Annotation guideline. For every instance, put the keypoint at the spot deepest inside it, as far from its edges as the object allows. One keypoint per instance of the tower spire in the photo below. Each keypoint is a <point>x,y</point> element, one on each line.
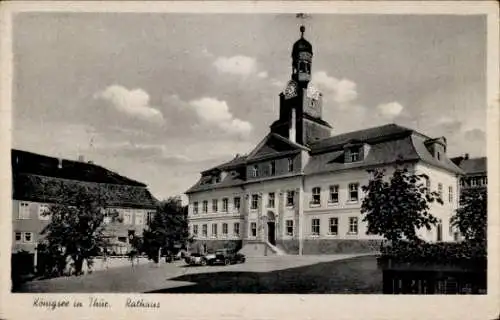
<point>302,30</point>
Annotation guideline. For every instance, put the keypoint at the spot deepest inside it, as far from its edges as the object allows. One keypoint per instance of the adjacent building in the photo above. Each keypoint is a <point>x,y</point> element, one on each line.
<point>475,171</point>
<point>37,181</point>
<point>299,190</point>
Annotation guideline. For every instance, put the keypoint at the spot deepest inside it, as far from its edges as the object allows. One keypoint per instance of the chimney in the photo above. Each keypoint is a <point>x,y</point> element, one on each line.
<point>293,132</point>
<point>59,165</point>
<point>466,156</point>
<point>81,158</point>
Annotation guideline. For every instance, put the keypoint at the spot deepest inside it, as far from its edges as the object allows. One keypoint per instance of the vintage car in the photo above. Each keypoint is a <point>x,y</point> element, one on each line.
<point>196,259</point>
<point>225,256</point>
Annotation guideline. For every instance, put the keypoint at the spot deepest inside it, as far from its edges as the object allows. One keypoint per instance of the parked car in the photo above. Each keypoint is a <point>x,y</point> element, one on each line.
<point>196,259</point>
<point>225,256</point>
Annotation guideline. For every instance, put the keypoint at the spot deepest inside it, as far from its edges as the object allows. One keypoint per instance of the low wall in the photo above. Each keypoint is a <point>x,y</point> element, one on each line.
<point>289,246</point>
<point>112,262</point>
<point>340,246</point>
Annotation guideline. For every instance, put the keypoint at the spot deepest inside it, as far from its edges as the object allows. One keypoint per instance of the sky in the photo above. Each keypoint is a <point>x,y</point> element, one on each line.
<point>160,97</point>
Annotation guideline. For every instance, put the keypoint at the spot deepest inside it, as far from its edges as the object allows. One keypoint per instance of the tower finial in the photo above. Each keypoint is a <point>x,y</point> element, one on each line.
<point>302,30</point>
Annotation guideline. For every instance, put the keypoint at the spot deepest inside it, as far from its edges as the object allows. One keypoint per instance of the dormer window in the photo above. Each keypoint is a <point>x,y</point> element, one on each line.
<point>255,171</point>
<point>354,156</point>
<point>355,152</point>
<point>290,164</point>
<point>272,168</point>
<point>217,178</point>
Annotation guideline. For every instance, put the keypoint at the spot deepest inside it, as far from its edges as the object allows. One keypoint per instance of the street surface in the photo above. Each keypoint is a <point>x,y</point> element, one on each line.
<point>275,274</point>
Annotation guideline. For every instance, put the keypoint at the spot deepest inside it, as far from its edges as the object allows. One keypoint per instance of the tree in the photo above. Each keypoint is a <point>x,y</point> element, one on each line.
<point>396,208</point>
<point>168,229</point>
<point>471,216</point>
<point>76,226</point>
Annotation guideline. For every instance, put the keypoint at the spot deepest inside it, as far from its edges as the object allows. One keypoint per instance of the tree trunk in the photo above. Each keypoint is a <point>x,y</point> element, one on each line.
<point>78,265</point>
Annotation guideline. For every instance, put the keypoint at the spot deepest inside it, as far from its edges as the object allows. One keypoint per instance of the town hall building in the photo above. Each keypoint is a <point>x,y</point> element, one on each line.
<point>299,190</point>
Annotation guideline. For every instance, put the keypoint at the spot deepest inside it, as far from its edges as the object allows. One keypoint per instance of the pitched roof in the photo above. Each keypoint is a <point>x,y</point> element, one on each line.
<point>38,178</point>
<point>37,188</point>
<point>33,163</point>
<point>367,135</point>
<point>388,144</point>
<point>471,166</point>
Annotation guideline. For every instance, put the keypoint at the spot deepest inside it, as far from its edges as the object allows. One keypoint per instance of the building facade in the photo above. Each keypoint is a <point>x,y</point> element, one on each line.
<point>299,190</point>
<point>37,181</point>
<point>475,171</point>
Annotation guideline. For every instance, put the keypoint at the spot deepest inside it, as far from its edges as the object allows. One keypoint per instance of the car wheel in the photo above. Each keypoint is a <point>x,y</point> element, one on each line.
<point>226,262</point>
<point>203,262</point>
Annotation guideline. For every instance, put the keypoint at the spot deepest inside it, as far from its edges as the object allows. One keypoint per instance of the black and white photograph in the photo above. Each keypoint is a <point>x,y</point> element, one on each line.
<point>267,152</point>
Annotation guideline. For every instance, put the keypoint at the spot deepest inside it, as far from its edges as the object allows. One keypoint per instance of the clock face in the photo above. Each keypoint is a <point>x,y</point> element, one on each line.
<point>290,90</point>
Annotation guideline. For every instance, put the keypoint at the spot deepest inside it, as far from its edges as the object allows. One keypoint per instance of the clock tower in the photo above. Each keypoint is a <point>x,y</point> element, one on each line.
<point>300,103</point>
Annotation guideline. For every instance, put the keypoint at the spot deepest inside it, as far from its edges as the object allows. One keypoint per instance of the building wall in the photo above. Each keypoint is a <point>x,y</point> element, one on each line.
<point>34,223</point>
<point>304,211</point>
<point>447,210</point>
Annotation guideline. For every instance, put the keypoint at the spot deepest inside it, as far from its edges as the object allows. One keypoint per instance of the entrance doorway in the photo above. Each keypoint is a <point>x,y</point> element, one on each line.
<point>271,228</point>
<point>271,232</point>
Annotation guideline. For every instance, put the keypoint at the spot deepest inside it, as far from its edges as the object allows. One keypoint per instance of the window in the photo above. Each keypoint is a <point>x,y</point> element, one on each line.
<point>483,181</point>
<point>428,184</point>
<point>255,171</point>
<point>353,191</point>
<point>474,182</point>
<point>354,155</point>
<point>18,236</point>
<point>225,202</point>
<point>28,237</point>
<point>272,168</point>
<point>353,225</point>
<point>195,229</point>
<point>334,226</point>
<point>270,200</point>
<point>289,227</point>
<point>214,205</point>
<point>334,194</point>
<point>42,209</point>
<point>316,195</point>
<point>236,229</point>
<point>24,210</point>
<point>195,207</point>
<point>214,230</point>
<point>290,198</point>
<point>439,156</point>
<point>315,226</point>
<point>253,229</point>
<point>150,217</point>
<point>255,201</point>
<point>290,164</point>
<point>204,230</point>
<point>439,236</point>
<point>127,219</point>
<point>224,229</point>
<point>237,203</point>
<point>139,218</point>
<point>450,194</point>
<point>205,206</point>
<point>217,178</point>
<point>440,190</point>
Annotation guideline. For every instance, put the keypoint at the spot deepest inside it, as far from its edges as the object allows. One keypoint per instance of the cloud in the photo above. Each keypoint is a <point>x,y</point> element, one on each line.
<point>134,103</point>
<point>239,65</point>
<point>215,112</point>
<point>342,91</point>
<point>262,74</point>
<point>278,83</point>
<point>390,110</point>
<point>475,134</point>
